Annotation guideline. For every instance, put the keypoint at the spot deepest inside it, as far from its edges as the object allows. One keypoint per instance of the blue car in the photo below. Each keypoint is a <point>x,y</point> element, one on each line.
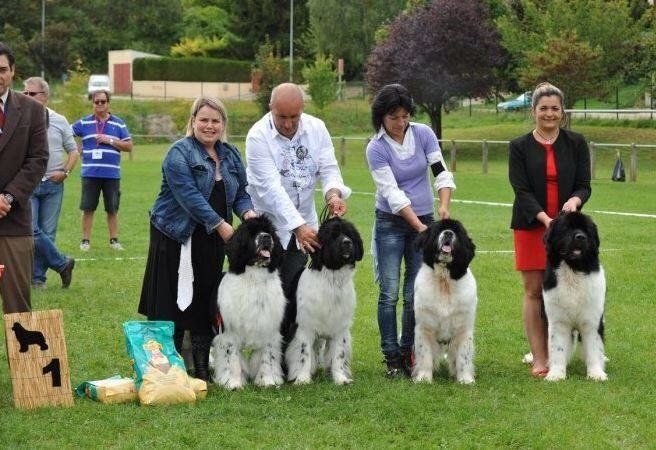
<point>520,102</point>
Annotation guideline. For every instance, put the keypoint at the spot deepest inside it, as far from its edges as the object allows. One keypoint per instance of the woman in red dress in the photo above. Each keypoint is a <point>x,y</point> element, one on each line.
<point>549,170</point>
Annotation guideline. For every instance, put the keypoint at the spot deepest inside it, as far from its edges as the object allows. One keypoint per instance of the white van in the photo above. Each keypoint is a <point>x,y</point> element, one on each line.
<point>98,83</point>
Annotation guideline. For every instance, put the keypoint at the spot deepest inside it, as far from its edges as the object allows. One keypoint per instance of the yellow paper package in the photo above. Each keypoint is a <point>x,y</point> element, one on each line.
<point>115,389</point>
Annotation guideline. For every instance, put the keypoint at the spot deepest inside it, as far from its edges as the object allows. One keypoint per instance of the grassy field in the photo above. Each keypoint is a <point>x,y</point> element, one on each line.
<point>505,408</point>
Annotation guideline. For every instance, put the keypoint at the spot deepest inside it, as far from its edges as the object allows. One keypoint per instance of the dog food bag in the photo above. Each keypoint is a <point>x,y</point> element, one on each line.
<point>115,389</point>
<point>199,386</point>
<point>160,373</point>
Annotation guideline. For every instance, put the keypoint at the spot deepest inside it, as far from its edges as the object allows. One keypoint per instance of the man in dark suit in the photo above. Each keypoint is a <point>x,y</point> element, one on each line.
<point>23,160</point>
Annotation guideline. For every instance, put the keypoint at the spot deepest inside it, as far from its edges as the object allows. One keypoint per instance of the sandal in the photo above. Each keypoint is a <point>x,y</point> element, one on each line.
<point>539,373</point>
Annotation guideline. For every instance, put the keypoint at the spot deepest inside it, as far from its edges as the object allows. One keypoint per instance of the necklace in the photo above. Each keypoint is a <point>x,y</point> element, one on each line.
<point>548,140</point>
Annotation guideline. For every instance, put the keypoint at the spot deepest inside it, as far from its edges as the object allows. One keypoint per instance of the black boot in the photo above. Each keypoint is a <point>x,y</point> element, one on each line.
<point>200,350</point>
<point>393,363</point>
<point>407,358</point>
<point>178,336</point>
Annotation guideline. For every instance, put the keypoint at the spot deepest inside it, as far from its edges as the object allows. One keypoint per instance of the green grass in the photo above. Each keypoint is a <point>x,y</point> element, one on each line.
<point>505,408</point>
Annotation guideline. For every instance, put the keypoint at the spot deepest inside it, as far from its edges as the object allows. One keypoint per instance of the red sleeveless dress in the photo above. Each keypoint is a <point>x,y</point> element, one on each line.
<point>529,248</point>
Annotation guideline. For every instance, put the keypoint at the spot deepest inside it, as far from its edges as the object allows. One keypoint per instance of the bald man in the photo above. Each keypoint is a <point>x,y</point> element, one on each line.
<point>287,151</point>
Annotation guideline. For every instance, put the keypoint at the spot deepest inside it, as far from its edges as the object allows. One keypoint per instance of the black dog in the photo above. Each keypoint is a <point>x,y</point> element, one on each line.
<point>26,338</point>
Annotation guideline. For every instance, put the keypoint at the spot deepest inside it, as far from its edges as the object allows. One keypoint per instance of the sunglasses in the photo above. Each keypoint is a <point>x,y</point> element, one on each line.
<point>32,94</point>
<point>99,102</point>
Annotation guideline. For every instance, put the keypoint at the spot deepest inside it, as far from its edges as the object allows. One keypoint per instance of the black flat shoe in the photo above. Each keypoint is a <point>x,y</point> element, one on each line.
<point>67,273</point>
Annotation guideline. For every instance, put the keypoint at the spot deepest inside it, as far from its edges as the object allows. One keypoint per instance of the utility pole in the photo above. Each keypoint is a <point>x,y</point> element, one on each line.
<point>43,37</point>
<point>291,41</point>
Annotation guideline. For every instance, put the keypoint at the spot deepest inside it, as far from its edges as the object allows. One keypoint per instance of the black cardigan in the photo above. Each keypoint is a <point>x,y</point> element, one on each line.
<point>527,173</point>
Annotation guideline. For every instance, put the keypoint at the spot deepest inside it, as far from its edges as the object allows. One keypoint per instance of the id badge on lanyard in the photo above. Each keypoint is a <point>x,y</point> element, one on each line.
<point>97,152</point>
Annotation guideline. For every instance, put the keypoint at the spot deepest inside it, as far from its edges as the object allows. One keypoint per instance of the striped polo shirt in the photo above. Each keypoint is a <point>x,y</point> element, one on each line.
<point>100,160</point>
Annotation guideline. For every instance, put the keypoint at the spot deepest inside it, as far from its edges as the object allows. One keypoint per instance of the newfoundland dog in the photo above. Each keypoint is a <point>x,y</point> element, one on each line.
<point>251,305</point>
<point>325,299</point>
<point>574,288</point>
<point>445,302</point>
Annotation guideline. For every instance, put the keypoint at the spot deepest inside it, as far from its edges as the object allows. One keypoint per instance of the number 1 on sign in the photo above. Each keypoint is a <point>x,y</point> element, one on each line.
<point>53,368</point>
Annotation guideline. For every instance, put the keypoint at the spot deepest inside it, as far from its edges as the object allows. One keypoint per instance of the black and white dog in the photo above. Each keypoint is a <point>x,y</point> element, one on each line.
<point>445,302</point>
<point>574,290</point>
<point>325,299</point>
<point>251,304</point>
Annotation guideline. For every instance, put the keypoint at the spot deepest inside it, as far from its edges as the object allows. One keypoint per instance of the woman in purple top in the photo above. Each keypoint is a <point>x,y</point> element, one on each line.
<point>398,157</point>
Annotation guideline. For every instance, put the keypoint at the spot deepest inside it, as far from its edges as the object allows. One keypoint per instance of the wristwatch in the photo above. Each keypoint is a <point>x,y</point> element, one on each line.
<point>10,198</point>
<point>111,141</point>
<point>67,172</point>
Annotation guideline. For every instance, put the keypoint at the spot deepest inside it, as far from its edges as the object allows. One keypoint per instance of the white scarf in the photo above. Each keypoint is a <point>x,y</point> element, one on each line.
<point>185,276</point>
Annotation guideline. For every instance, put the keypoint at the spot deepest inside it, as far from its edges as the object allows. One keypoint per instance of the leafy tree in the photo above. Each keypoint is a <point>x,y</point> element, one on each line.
<point>606,26</point>
<point>25,65</point>
<point>198,46</point>
<point>456,58</point>
<point>255,20</point>
<point>204,32</point>
<point>347,29</point>
<point>643,67</point>
<point>321,78</point>
<point>56,56</point>
<point>571,65</point>
<point>85,30</point>
<point>269,72</point>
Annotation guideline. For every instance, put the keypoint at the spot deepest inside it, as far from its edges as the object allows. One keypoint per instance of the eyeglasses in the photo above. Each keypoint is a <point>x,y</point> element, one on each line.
<point>32,93</point>
<point>99,102</point>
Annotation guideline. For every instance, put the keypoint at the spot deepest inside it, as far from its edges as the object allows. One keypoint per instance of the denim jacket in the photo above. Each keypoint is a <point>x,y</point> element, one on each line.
<point>187,182</point>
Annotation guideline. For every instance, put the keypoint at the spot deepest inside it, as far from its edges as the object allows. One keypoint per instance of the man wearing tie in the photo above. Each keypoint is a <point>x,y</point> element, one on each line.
<point>23,160</point>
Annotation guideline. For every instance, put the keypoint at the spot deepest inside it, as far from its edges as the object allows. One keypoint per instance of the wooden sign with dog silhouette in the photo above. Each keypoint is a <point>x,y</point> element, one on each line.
<point>36,351</point>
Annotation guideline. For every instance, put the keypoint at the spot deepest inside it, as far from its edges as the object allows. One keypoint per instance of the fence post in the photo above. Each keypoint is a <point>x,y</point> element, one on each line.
<point>453,156</point>
<point>484,157</point>
<point>342,151</point>
<point>633,165</point>
<point>593,161</point>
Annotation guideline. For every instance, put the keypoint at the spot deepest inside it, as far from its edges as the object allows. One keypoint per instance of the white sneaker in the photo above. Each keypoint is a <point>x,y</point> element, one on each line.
<point>115,244</point>
<point>84,245</point>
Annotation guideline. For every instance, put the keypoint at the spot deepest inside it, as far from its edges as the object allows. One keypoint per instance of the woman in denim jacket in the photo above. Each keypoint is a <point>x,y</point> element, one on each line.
<point>203,183</point>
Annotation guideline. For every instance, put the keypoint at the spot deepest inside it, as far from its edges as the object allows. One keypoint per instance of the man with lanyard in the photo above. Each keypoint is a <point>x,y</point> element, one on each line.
<point>47,198</point>
<point>287,151</point>
<point>104,136</point>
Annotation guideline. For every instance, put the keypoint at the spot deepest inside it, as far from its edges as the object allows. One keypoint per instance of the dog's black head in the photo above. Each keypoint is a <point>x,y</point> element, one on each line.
<point>573,238</point>
<point>447,243</point>
<point>341,245</point>
<point>254,243</point>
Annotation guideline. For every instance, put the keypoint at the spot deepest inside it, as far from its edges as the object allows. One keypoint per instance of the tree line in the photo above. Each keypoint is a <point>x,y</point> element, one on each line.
<point>441,49</point>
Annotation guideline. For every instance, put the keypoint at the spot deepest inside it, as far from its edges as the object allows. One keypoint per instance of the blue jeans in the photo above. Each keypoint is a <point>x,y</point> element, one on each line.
<point>394,241</point>
<point>46,203</point>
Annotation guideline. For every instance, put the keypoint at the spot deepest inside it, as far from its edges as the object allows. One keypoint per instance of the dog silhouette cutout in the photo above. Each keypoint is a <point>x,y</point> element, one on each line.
<point>26,338</point>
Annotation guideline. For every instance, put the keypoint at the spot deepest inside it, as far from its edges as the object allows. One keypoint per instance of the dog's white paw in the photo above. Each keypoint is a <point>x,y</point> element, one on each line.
<point>555,375</point>
<point>342,379</point>
<point>234,385</point>
<point>423,377</point>
<point>597,375</point>
<point>466,379</point>
<point>266,381</point>
<point>303,379</point>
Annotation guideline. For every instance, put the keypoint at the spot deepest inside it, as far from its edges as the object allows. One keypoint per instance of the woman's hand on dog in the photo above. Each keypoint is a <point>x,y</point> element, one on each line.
<point>225,230</point>
<point>572,204</point>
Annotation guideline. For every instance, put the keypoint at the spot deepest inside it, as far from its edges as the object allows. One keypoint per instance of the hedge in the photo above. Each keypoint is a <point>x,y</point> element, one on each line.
<point>201,69</point>
<point>191,69</point>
